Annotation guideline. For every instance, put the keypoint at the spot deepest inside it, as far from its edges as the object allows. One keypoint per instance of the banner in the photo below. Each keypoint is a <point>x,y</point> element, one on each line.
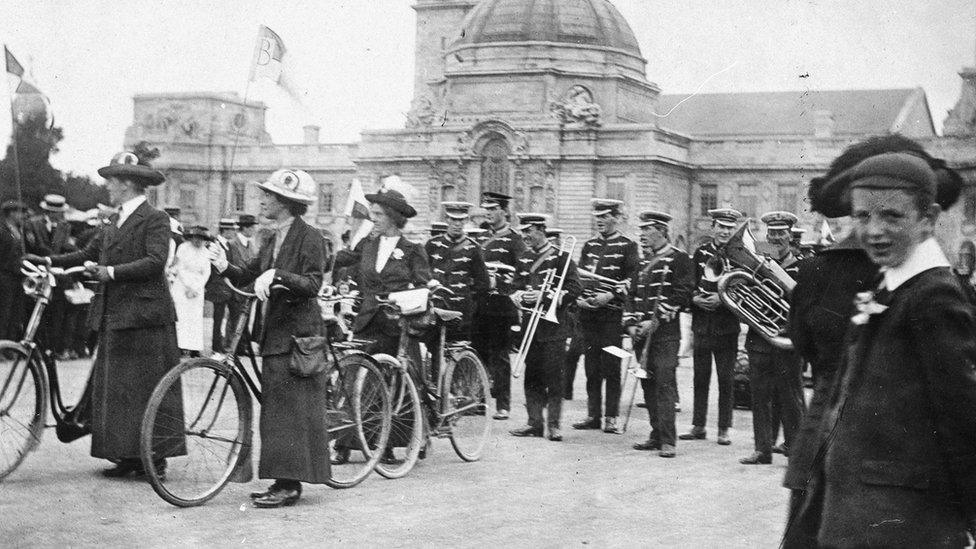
<point>269,55</point>
<point>357,212</point>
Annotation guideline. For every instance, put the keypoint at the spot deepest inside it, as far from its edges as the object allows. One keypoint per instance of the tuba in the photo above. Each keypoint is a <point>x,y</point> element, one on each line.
<point>756,289</point>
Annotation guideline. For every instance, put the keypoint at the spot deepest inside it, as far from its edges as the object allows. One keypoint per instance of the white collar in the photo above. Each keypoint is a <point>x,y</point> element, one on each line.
<point>129,206</point>
<point>243,239</point>
<point>925,256</point>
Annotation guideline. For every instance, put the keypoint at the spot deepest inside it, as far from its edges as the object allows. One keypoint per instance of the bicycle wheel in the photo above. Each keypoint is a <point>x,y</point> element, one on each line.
<point>23,405</point>
<point>465,405</point>
<point>407,423</point>
<point>359,419</point>
<point>199,420</point>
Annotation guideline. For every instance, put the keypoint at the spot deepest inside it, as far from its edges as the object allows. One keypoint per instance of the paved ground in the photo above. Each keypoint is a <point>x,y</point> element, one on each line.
<point>591,490</point>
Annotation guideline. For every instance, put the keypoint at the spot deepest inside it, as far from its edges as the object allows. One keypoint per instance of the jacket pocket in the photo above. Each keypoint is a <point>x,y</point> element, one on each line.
<point>896,473</point>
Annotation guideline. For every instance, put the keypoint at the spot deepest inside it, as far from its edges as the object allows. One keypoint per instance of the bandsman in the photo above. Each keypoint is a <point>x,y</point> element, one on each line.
<point>457,263</point>
<point>775,375</point>
<point>544,360</point>
<point>612,255</point>
<point>715,329</point>
<point>437,228</point>
<point>479,235</point>
<point>662,287</point>
<point>492,332</point>
<point>555,236</point>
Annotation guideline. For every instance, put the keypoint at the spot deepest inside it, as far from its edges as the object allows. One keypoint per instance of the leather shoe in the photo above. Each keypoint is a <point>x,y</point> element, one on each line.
<point>648,445</point>
<point>527,431</point>
<point>264,494</point>
<point>757,458</point>
<point>555,434</point>
<point>667,451</point>
<point>723,437</point>
<point>781,449</point>
<point>500,414</point>
<point>124,468</point>
<point>278,498</point>
<point>588,423</point>
<point>610,426</point>
<point>696,433</point>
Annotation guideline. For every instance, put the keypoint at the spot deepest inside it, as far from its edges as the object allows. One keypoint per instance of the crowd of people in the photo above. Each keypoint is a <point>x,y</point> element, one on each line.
<point>883,454</point>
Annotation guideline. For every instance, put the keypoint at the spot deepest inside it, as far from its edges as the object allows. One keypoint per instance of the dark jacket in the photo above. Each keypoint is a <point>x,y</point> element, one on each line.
<point>43,242</point>
<point>899,464</point>
<point>721,321</point>
<point>409,270</point>
<point>216,291</point>
<point>11,252</point>
<point>460,266</point>
<point>614,256</point>
<point>533,267</point>
<point>138,296</point>
<point>505,246</point>
<point>299,267</point>
<point>642,300</point>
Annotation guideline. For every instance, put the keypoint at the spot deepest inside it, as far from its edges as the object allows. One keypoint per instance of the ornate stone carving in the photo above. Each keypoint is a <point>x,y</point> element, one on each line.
<point>550,187</point>
<point>422,113</point>
<point>463,144</point>
<point>521,146</point>
<point>577,109</point>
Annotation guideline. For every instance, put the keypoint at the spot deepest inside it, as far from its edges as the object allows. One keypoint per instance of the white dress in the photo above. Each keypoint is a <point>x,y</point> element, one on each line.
<point>192,271</point>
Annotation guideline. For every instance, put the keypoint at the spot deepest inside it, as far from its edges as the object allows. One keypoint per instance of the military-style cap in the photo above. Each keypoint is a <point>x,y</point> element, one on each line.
<point>12,205</point>
<point>246,220</point>
<point>778,220</point>
<point>725,216</point>
<point>527,220</point>
<point>893,171</point>
<point>438,227</point>
<point>475,232</point>
<point>54,203</point>
<point>653,217</point>
<point>457,210</point>
<point>553,232</point>
<point>495,200</point>
<point>606,206</point>
<point>227,223</point>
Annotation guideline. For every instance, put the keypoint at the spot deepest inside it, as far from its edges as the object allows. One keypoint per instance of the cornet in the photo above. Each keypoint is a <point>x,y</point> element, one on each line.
<point>593,283</point>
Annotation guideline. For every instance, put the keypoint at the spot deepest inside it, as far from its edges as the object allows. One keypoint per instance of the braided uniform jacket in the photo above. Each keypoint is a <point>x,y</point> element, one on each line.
<point>532,272</point>
<point>678,284</point>
<point>721,321</point>
<point>756,342</point>
<point>616,257</point>
<point>459,265</point>
<point>505,246</point>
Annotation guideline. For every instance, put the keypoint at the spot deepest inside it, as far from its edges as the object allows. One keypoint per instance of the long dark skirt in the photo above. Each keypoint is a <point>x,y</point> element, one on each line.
<point>294,429</point>
<point>127,368</point>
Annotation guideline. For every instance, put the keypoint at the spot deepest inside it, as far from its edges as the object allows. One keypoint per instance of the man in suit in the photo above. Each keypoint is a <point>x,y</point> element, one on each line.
<point>612,255</point>
<point>897,461</point>
<point>660,289</point>
<point>51,235</point>
<point>544,360</point>
<point>135,316</point>
<point>11,252</point>
<point>216,292</point>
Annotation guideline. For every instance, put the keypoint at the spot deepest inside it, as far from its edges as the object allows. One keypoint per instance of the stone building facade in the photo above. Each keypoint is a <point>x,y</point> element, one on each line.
<point>549,101</point>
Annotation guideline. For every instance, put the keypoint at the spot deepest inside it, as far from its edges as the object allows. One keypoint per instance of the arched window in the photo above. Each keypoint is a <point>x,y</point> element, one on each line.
<point>494,166</point>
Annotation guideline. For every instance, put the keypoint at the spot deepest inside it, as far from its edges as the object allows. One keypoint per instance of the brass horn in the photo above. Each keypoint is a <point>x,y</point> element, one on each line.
<point>756,289</point>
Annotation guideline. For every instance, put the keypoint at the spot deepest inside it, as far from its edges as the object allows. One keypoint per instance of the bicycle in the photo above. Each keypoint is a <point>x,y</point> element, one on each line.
<point>29,379</point>
<point>453,406</point>
<point>216,422</point>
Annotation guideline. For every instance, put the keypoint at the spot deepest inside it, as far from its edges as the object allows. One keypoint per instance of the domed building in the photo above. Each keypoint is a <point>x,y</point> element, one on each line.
<point>549,101</point>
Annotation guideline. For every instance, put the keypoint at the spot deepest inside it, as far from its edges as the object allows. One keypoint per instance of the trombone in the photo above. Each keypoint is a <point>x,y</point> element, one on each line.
<point>540,311</point>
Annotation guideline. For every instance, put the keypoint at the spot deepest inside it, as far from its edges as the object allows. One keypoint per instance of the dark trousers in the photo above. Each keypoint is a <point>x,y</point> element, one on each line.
<point>660,387</point>
<point>544,382</point>
<point>602,367</point>
<point>493,341</point>
<point>232,310</point>
<point>803,518</point>
<point>12,300</point>
<point>772,376</point>
<point>573,354</point>
<point>723,348</point>
<point>56,324</point>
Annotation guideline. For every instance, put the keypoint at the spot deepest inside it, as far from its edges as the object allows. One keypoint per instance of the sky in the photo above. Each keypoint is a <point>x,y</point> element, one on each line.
<point>355,58</point>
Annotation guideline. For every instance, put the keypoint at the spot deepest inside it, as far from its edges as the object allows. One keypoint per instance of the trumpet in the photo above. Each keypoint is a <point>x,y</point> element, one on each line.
<point>543,312</point>
<point>499,272</point>
<point>757,291</point>
<point>594,283</point>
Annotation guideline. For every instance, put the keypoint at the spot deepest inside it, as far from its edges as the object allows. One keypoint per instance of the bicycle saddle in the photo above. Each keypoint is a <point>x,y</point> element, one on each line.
<point>445,315</point>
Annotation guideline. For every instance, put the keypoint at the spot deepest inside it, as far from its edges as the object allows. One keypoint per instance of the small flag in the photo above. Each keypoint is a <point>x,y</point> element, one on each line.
<point>13,66</point>
<point>269,53</point>
<point>826,235</point>
<point>357,210</point>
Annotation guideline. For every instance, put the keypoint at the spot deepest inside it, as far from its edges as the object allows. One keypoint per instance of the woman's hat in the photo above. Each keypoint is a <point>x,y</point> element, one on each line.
<point>198,231</point>
<point>54,203</point>
<point>294,185</point>
<point>393,200</point>
<point>126,165</point>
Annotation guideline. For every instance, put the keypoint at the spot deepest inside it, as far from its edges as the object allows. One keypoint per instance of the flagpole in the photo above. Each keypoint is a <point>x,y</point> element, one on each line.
<point>237,138</point>
<point>13,145</point>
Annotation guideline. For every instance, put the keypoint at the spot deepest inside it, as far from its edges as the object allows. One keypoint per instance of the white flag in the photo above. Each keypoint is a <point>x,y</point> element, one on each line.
<point>269,55</point>
<point>357,212</point>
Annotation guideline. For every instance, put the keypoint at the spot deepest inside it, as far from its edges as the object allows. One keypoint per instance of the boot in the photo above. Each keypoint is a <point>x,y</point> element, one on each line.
<point>610,425</point>
<point>757,458</point>
<point>588,423</point>
<point>527,431</point>
<point>696,433</point>
<point>667,451</point>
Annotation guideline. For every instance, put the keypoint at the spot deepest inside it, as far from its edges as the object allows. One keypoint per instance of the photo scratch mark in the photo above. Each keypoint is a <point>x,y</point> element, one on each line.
<point>694,93</point>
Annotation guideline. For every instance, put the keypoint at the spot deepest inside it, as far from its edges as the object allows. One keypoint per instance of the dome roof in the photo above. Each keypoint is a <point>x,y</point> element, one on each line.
<point>585,22</point>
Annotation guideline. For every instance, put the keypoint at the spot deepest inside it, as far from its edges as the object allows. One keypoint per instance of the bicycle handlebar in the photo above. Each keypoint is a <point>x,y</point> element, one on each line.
<point>241,292</point>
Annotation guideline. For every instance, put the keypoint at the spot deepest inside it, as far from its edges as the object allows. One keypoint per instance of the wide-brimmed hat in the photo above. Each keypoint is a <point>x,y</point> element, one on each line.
<point>294,185</point>
<point>126,165</point>
<point>54,203</point>
<point>246,220</point>
<point>393,200</point>
<point>198,231</point>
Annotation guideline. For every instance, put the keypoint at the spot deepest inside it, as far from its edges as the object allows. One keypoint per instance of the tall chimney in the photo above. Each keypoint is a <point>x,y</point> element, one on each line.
<point>311,134</point>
